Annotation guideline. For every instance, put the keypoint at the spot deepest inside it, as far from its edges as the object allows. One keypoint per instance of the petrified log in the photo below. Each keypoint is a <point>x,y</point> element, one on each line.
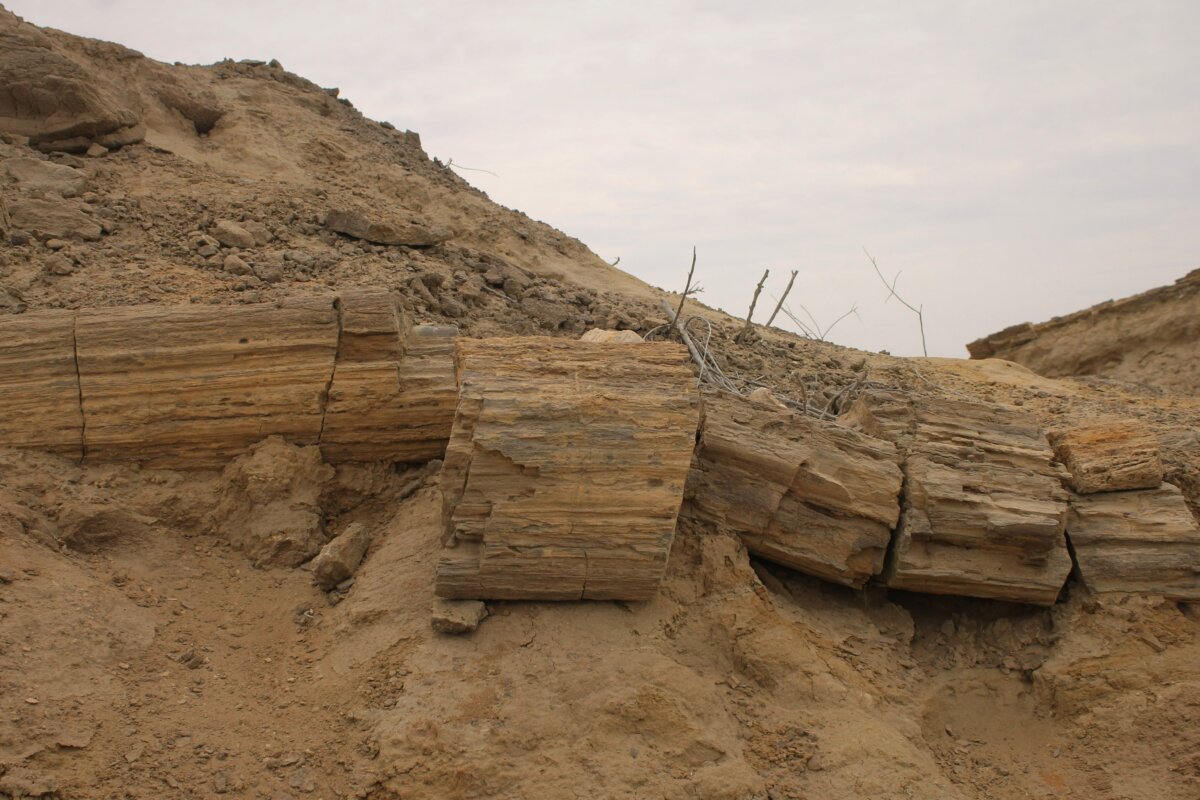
<point>1108,458</point>
<point>565,469</point>
<point>984,507</point>
<point>39,390</point>
<point>394,390</point>
<point>810,494</point>
<point>1136,541</point>
<point>190,386</point>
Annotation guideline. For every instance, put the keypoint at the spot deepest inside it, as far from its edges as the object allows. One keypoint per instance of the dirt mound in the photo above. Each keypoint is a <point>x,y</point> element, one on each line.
<point>1151,338</point>
<point>143,653</point>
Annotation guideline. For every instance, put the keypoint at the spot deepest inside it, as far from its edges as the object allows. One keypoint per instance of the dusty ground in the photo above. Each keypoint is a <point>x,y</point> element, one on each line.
<point>143,656</point>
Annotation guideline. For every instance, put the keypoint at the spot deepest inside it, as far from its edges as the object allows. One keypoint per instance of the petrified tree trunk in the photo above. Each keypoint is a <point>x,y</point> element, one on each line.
<point>393,392</point>
<point>984,507</point>
<point>1109,457</point>
<point>805,493</point>
<point>565,469</point>
<point>1137,541</point>
<point>39,389</point>
<point>193,385</point>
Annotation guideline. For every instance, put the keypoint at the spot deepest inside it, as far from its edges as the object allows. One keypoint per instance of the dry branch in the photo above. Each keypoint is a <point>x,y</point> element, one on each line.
<point>745,332</point>
<point>687,287</point>
<point>782,297</point>
<point>891,287</point>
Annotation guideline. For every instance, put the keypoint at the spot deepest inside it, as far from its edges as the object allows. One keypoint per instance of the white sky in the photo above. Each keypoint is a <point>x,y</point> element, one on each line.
<point>1015,159</point>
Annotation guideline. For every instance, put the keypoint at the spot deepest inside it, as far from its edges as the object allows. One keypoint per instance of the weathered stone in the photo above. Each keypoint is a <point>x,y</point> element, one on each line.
<point>565,469</point>
<point>806,493</point>
<point>338,559</point>
<point>1136,541</point>
<point>235,265</point>
<point>33,174</point>
<point>188,386</point>
<point>53,219</point>
<point>1109,458</point>
<point>232,234</point>
<point>984,507</point>
<point>611,337</point>
<point>39,386</point>
<point>359,225</point>
<point>457,616</point>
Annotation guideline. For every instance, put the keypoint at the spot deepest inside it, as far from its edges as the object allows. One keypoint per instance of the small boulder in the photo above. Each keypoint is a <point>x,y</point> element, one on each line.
<point>33,174</point>
<point>611,337</point>
<point>236,265</point>
<point>358,225</point>
<point>54,219</point>
<point>338,560</point>
<point>457,616</point>
<point>763,396</point>
<point>232,234</point>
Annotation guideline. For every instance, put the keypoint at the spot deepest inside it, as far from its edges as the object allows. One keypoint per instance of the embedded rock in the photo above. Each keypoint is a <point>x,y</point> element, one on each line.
<point>358,225</point>
<point>35,175</point>
<point>802,492</point>
<point>232,234</point>
<point>565,469</point>
<point>338,560</point>
<point>456,617</point>
<point>1137,541</point>
<point>611,337</point>
<point>1109,458</point>
<point>53,219</point>
<point>984,508</point>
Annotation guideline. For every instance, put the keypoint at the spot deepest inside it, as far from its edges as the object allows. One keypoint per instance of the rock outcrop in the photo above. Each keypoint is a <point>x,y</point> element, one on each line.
<point>565,469</point>
<point>1151,338</point>
<point>984,508</point>
<point>39,384</point>
<point>1109,457</point>
<point>358,225</point>
<point>809,494</point>
<point>1136,541</point>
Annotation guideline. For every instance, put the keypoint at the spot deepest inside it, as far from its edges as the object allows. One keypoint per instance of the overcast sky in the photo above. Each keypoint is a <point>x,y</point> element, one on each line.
<point>1015,160</point>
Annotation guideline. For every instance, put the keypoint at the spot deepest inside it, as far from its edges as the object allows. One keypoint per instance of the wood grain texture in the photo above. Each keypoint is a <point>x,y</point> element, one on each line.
<point>188,386</point>
<point>39,387</point>
<point>1110,457</point>
<point>565,468</point>
<point>397,408</point>
<point>1143,541</point>
<point>984,507</point>
<point>806,493</point>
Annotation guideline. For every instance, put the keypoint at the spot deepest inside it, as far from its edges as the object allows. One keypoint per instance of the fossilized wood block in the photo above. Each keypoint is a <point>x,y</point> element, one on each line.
<point>565,469</point>
<point>1109,458</point>
<point>1137,541</point>
<point>384,405</point>
<point>190,386</point>
<point>39,388</point>
<point>984,507</point>
<point>810,494</point>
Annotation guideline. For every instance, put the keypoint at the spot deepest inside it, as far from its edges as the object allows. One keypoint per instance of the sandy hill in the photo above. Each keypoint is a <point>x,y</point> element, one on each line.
<point>143,654</point>
<point>1152,338</point>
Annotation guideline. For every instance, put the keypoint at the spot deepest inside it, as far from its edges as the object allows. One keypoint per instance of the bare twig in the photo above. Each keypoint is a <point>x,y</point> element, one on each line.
<point>618,261</point>
<point>451,165</point>
<point>704,361</point>
<point>745,332</point>
<point>891,287</point>
<point>687,287</point>
<point>817,332</point>
<point>782,297</point>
